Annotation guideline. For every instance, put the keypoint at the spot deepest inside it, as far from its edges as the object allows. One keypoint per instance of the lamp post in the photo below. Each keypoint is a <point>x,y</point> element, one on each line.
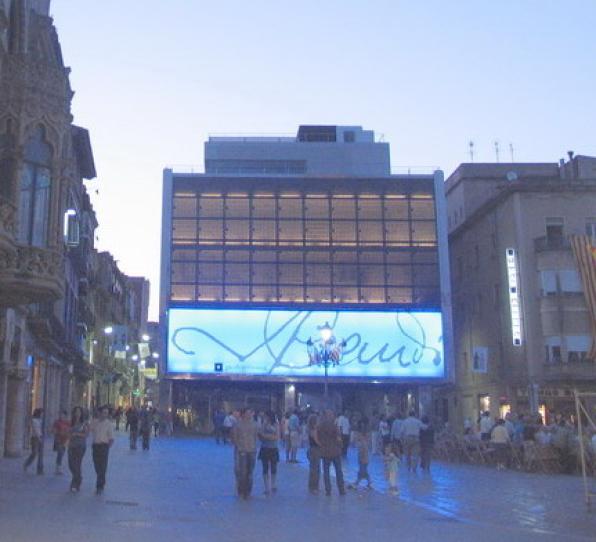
<point>325,352</point>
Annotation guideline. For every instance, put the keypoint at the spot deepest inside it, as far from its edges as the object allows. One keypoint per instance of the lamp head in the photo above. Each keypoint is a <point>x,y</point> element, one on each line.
<point>326,332</point>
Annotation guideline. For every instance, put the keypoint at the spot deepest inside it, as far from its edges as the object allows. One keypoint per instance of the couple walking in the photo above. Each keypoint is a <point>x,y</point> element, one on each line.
<point>244,435</point>
<point>326,445</point>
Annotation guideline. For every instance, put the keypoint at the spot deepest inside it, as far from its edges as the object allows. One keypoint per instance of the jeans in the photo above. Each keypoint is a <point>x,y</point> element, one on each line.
<point>314,470</point>
<point>36,452</point>
<point>60,449</point>
<point>134,434</point>
<point>339,475</point>
<point>425,457</point>
<point>146,435</point>
<point>345,441</point>
<point>245,465</point>
<point>411,447</point>
<point>100,462</point>
<point>75,458</point>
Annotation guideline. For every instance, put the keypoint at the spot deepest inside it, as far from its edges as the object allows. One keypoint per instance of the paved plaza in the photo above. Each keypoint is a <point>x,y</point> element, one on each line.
<point>182,489</point>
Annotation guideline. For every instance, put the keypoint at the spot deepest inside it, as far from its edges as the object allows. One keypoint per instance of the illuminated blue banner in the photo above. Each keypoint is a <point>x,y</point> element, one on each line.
<point>285,343</point>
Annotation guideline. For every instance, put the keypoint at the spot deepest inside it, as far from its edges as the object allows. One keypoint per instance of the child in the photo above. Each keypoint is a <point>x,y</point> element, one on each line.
<point>361,439</point>
<point>391,459</point>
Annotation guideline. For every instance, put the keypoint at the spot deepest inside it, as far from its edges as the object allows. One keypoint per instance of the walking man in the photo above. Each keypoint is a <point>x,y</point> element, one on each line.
<point>329,440</point>
<point>102,437</point>
<point>132,420</point>
<point>244,437</point>
<point>410,433</point>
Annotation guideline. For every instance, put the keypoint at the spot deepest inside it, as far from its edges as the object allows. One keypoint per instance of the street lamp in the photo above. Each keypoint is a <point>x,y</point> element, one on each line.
<point>325,352</point>
<point>146,337</point>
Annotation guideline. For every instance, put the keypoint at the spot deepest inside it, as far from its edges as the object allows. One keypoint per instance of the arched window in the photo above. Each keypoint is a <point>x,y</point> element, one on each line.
<point>34,192</point>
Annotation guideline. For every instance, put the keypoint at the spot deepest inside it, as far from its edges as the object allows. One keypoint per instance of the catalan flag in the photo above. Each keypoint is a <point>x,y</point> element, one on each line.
<point>585,256</point>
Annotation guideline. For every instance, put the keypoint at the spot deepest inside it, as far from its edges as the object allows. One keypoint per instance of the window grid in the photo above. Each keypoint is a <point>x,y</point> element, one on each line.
<point>373,267</point>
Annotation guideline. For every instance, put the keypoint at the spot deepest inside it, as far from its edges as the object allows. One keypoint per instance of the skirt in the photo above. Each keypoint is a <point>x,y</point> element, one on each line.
<point>269,454</point>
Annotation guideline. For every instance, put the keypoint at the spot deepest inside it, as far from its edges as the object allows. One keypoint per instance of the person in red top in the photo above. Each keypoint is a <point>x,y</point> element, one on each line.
<point>61,431</point>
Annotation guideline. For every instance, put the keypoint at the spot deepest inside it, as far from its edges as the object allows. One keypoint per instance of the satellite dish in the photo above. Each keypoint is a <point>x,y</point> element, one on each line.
<point>512,176</point>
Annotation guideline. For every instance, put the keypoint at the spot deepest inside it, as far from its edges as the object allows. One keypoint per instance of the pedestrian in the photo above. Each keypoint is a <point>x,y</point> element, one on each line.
<point>390,462</point>
<point>145,426</point>
<point>314,455</point>
<point>396,437</point>
<point>102,440</point>
<point>244,437</point>
<point>410,437</point>
<point>330,441</point>
<point>384,431</point>
<point>156,421</point>
<point>361,439</point>
<point>132,420</point>
<point>343,422</point>
<point>294,430</point>
<point>61,431</point>
<point>269,453</point>
<point>228,423</point>
<point>427,442</point>
<point>77,445</point>
<point>285,429</point>
<point>36,441</point>
<point>500,440</point>
<point>118,417</point>
<point>374,433</point>
<point>218,426</point>
<point>486,426</point>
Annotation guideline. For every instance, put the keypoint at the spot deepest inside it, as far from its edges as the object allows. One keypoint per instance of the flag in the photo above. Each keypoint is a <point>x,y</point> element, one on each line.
<point>585,256</point>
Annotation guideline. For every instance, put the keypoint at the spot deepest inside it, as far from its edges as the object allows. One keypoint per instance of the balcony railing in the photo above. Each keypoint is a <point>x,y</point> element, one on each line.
<point>574,370</point>
<point>542,244</point>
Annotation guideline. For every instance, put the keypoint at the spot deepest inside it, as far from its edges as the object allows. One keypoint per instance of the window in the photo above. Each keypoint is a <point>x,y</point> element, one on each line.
<point>554,231</point>
<point>548,280</point>
<point>552,349</point>
<point>570,281</point>
<point>349,137</point>
<point>34,200</point>
<point>577,347</point>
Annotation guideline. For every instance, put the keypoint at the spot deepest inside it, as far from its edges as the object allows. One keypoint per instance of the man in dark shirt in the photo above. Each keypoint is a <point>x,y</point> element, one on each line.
<point>328,437</point>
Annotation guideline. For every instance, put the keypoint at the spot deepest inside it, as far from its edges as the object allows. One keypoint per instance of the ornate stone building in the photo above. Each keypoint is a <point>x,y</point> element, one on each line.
<point>46,223</point>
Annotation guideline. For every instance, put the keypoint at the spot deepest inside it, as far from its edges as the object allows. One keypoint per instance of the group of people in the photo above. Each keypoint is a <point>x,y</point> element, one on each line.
<point>141,422</point>
<point>327,437</point>
<point>522,430</point>
<point>71,435</point>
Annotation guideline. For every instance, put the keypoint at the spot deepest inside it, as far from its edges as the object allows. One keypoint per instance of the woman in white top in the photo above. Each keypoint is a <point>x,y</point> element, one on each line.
<point>36,441</point>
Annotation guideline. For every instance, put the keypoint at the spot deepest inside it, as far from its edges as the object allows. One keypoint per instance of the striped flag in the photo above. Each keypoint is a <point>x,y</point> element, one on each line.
<point>585,256</point>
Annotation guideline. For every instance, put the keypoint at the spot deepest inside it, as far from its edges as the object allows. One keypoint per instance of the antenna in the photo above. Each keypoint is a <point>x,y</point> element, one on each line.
<point>511,152</point>
<point>471,145</point>
<point>497,150</point>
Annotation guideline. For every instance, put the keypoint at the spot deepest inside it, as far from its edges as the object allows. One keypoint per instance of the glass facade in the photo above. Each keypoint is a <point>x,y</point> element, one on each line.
<point>355,242</point>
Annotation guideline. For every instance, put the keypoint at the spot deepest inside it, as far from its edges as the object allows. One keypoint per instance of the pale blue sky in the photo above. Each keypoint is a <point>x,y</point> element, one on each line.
<point>153,78</point>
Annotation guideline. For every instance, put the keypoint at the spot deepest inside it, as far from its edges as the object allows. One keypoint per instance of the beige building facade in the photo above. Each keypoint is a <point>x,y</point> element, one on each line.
<point>523,322</point>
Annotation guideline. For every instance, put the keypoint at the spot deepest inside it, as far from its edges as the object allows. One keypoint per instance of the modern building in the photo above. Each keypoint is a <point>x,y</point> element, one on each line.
<point>278,238</point>
<point>522,240</point>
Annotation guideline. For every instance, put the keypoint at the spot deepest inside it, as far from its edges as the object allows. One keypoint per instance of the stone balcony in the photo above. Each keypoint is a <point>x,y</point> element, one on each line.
<point>570,372</point>
<point>7,225</point>
<point>30,275</point>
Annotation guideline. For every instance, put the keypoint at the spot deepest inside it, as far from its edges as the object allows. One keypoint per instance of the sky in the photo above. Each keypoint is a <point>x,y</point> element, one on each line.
<point>154,78</point>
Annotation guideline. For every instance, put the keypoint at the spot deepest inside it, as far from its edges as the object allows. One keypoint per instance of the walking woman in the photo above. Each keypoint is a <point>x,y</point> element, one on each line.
<point>314,455</point>
<point>36,441</point>
<point>79,429</point>
<point>269,453</point>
